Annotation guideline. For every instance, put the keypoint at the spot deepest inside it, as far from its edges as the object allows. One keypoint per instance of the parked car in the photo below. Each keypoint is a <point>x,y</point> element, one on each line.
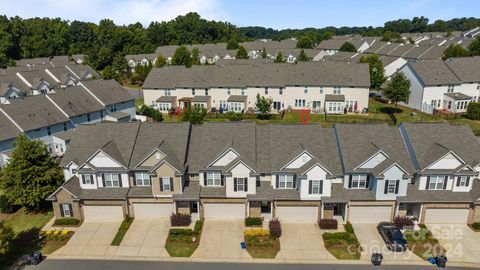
<point>392,236</point>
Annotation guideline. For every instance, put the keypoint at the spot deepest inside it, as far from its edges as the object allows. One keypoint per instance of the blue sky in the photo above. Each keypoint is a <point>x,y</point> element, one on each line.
<point>278,14</point>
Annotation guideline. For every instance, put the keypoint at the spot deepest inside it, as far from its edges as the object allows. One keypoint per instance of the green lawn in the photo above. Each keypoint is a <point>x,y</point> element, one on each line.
<point>139,102</point>
<point>342,245</point>
<point>122,230</point>
<point>22,221</point>
<point>263,247</point>
<point>183,242</point>
<point>423,244</point>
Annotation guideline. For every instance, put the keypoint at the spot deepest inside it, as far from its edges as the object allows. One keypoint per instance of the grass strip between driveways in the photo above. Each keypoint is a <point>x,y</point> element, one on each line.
<point>183,242</point>
<point>423,244</point>
<point>122,231</point>
<point>264,247</point>
<point>343,245</point>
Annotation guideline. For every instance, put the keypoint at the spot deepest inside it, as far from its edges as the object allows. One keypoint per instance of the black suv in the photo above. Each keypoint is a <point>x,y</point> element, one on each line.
<point>392,236</point>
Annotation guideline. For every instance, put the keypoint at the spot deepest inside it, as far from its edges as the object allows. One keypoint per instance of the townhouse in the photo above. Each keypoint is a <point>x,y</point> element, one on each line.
<point>45,117</point>
<point>351,172</point>
<point>437,85</point>
<point>318,86</point>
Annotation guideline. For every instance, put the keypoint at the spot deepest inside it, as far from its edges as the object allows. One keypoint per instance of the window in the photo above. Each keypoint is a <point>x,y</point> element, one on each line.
<point>49,130</point>
<point>241,184</point>
<point>391,186</point>
<point>66,210</point>
<point>65,128</point>
<point>478,86</point>
<point>358,181</point>
<point>436,182</point>
<point>337,90</point>
<point>168,92</point>
<point>266,90</point>
<point>463,181</point>
<point>206,91</point>
<point>229,92</point>
<point>87,179</point>
<point>88,117</point>
<point>142,179</point>
<point>316,187</point>
<point>285,181</point>
<point>299,102</point>
<point>280,91</point>
<point>321,89</point>
<point>316,104</point>
<point>305,90</point>
<point>112,180</point>
<point>166,185</point>
<point>242,92</point>
<point>213,179</point>
<point>450,88</point>
<point>101,114</point>
<point>193,91</point>
<point>113,108</point>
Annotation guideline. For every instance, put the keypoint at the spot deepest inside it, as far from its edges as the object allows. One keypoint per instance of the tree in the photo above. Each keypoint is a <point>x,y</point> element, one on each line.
<point>161,61</point>
<point>398,89</point>
<point>455,50</point>
<point>279,58</point>
<point>241,53</point>
<point>474,46</point>
<point>196,56</point>
<point>151,113</point>
<point>473,110</point>
<point>6,238</point>
<point>305,42</point>
<point>182,57</point>
<point>232,44</point>
<point>195,115</point>
<point>264,53</point>
<point>347,47</point>
<point>391,36</point>
<point>31,175</point>
<point>302,56</point>
<point>410,40</point>
<point>108,73</point>
<point>377,73</point>
<point>264,105</point>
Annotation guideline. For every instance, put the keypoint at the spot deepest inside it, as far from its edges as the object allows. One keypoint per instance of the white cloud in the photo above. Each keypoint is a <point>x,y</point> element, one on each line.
<point>120,11</point>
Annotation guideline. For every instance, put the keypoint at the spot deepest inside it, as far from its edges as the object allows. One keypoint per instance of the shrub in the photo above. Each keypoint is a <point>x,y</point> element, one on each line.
<point>275,228</point>
<point>349,228</point>
<point>256,232</point>
<point>253,221</point>
<point>180,232</point>
<point>66,222</point>
<point>5,206</point>
<point>180,220</point>
<point>473,110</point>
<point>234,116</point>
<point>328,224</point>
<point>401,222</point>
<point>198,226</point>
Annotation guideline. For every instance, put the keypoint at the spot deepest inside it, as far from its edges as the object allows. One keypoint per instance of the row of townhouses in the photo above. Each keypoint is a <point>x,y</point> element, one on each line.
<point>333,87</point>
<point>51,117</point>
<point>351,172</point>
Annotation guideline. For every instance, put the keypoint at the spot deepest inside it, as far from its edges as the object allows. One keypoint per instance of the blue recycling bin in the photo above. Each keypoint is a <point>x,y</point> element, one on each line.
<point>243,245</point>
<point>432,260</point>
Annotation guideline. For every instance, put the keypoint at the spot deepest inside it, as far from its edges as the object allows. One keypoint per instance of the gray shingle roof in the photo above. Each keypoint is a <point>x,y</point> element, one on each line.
<point>236,98</point>
<point>458,96</point>
<point>33,112</point>
<point>9,80</point>
<point>62,73</point>
<point>429,196</point>
<point>167,99</point>
<point>330,97</point>
<point>341,194</point>
<point>201,99</point>
<point>8,129</point>
<point>358,143</point>
<point>34,77</point>
<point>434,72</point>
<point>73,186</point>
<point>466,68</point>
<point>431,141</point>
<point>75,100</point>
<point>108,91</point>
<point>266,192</point>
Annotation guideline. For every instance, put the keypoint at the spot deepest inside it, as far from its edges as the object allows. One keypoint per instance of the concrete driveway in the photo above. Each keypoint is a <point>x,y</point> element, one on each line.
<point>371,242</point>
<point>302,241</point>
<point>91,239</point>
<point>145,238</point>
<point>221,240</point>
<point>462,244</point>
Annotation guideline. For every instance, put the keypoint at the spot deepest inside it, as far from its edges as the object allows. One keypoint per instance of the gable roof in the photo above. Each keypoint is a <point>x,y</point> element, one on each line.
<point>108,91</point>
<point>12,80</point>
<point>434,72</point>
<point>8,129</point>
<point>34,77</point>
<point>466,68</point>
<point>75,100</point>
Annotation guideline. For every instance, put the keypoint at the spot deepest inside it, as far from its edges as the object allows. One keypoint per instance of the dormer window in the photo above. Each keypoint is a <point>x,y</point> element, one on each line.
<point>358,181</point>
<point>463,181</point>
<point>87,179</point>
<point>142,179</point>
<point>214,179</point>
<point>285,181</point>
<point>112,180</point>
<point>158,156</point>
<point>436,182</point>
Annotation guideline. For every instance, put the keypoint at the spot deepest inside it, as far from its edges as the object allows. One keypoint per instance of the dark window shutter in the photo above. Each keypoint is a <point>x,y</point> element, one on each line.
<point>397,184</point>
<point>468,182</point>
<point>171,183</point>
<point>222,180</point>
<point>83,179</point>
<point>427,186</point>
<point>445,182</point>
<point>246,184</point>
<point>61,210</point>
<point>367,185</point>
<point>103,179</point>
<point>458,181</point>
<point>294,181</point>
<point>309,186</point>
<point>257,182</point>
<point>350,181</point>
<point>385,191</point>
<point>120,180</point>
<point>205,179</point>
<point>321,187</point>
<point>161,183</point>
<point>70,207</point>
<point>234,184</point>
<point>277,181</point>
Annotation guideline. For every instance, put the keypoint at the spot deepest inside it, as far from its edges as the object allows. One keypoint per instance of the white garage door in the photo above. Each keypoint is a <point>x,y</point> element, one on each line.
<point>103,212</point>
<point>297,213</point>
<point>442,215</point>
<point>224,210</point>
<point>145,210</point>
<point>370,214</point>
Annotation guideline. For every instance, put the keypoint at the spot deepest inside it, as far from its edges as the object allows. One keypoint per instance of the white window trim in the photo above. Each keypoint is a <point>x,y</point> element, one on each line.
<point>65,210</point>
<point>391,184</point>
<point>436,180</point>
<point>285,181</point>
<point>142,179</point>
<point>359,179</point>
<point>166,183</point>
<point>316,185</point>
<point>215,178</point>
<point>89,179</point>
<point>242,185</point>
<point>463,181</point>
<point>113,179</point>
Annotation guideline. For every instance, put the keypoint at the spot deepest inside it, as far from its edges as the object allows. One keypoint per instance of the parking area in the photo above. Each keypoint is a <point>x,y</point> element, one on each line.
<point>462,244</point>
<point>92,238</point>
<point>371,242</point>
<point>221,239</point>
<point>302,241</point>
<point>145,238</point>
